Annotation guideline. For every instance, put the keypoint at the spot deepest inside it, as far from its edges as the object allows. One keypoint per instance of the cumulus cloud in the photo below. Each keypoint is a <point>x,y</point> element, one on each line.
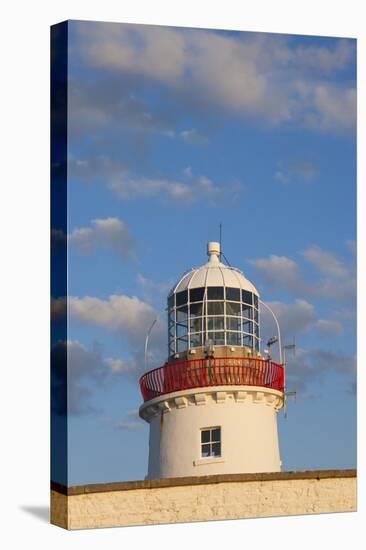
<point>193,136</point>
<point>76,371</point>
<point>311,366</point>
<point>127,185</point>
<point>110,233</point>
<point>325,262</point>
<point>252,75</point>
<point>132,421</point>
<point>296,172</point>
<point>338,281</point>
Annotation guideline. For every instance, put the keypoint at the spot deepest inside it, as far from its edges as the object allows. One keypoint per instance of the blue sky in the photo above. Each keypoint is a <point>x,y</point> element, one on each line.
<point>171,132</point>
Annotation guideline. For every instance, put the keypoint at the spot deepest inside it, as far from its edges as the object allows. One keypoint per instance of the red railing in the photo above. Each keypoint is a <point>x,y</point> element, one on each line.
<point>201,373</point>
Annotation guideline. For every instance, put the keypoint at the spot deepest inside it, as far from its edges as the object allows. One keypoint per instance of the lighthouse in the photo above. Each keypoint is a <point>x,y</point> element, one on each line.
<point>212,407</point>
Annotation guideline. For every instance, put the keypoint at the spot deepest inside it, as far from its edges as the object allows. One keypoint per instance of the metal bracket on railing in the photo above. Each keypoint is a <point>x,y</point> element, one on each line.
<point>149,332</point>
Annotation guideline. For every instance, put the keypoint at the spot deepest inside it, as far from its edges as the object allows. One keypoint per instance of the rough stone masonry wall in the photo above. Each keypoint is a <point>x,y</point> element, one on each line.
<point>203,498</point>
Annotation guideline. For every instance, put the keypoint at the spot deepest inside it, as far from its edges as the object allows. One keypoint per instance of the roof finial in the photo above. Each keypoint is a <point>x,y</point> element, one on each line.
<point>213,250</point>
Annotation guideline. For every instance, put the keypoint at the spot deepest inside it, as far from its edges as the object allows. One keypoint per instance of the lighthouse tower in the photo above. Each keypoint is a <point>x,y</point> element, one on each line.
<point>212,406</point>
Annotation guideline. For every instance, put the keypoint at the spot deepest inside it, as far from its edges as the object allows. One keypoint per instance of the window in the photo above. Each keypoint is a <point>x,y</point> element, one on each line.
<point>233,309</point>
<point>215,293</point>
<point>215,308</point>
<point>211,442</point>
<point>215,323</point>
<point>233,294</point>
<point>181,298</point>
<point>196,294</point>
<point>247,297</point>
<point>233,338</point>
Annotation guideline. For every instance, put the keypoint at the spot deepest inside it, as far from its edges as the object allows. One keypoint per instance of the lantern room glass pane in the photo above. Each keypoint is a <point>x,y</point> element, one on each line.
<point>247,297</point>
<point>182,330</point>
<point>233,323</point>
<point>182,344</point>
<point>196,310</point>
<point>248,327</point>
<point>247,312</point>
<point>196,294</point>
<point>215,308</point>
<point>217,337</point>
<point>182,315</point>
<point>255,300</point>
<point>215,292</point>
<point>248,341</point>
<point>171,301</point>
<point>181,298</point>
<point>196,340</point>
<point>215,323</point>
<point>232,308</point>
<point>196,324</point>
<point>233,294</point>
<point>256,315</point>
<point>233,338</point>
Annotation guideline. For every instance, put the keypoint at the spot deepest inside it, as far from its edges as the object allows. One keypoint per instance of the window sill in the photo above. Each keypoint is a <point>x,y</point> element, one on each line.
<point>209,460</point>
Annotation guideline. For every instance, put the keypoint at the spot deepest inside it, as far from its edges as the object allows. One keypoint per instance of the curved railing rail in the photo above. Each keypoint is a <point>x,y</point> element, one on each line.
<point>201,373</point>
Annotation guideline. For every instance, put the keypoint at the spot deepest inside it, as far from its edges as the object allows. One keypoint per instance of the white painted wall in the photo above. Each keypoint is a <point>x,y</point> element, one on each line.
<point>246,415</point>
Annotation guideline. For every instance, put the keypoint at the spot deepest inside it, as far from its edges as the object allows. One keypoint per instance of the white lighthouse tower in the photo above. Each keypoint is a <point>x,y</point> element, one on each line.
<point>212,406</point>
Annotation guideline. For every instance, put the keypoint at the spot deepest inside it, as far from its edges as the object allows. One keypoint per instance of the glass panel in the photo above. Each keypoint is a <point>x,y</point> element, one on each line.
<point>215,323</point>
<point>181,331</point>
<point>181,298</point>
<point>248,341</point>
<point>233,338</point>
<point>248,326</point>
<point>216,449</point>
<point>196,324</point>
<point>247,297</point>
<point>255,300</point>
<point>171,301</point>
<point>233,309</point>
<point>205,436</point>
<point>206,450</point>
<point>182,315</point>
<point>195,340</point>
<point>256,344</point>
<point>172,331</point>
<point>247,312</point>
<point>195,310</point>
<point>171,317</point>
<point>233,294</point>
<point>215,308</point>
<point>217,337</point>
<point>256,316</point>
<point>196,294</point>
<point>182,344</point>
<point>216,435</point>
<point>256,330</point>
<point>215,293</point>
<point>233,323</point>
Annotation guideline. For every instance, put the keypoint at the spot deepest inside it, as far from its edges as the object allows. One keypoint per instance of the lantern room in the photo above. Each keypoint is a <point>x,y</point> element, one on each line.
<point>213,305</point>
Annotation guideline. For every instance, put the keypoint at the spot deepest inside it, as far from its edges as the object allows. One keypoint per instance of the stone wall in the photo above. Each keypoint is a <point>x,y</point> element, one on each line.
<point>216,497</point>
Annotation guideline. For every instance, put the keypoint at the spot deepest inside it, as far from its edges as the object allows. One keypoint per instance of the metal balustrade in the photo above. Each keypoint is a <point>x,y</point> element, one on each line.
<point>201,373</point>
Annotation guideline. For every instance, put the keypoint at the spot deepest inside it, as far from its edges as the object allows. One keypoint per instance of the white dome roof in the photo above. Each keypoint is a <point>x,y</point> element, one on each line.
<point>213,273</point>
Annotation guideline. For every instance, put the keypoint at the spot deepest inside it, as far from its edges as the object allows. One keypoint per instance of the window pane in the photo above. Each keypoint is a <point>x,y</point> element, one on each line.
<point>256,330</point>
<point>248,341</point>
<point>233,323</point>
<point>171,317</point>
<point>247,297</point>
<point>255,300</point>
<point>256,315</point>
<point>217,337</point>
<point>196,310</point>
<point>215,308</point>
<point>233,309</point>
<point>256,344</point>
<point>216,449</point>
<point>216,435</point>
<point>247,312</point>
<point>215,293</point>
<point>205,450</point>
<point>196,324</point>
<point>182,344</point>
<point>171,301</point>
<point>182,315</point>
<point>196,294</point>
<point>215,323</point>
<point>248,327</point>
<point>196,340</point>
<point>205,436</point>
<point>233,338</point>
<point>181,298</point>
<point>181,331</point>
<point>233,294</point>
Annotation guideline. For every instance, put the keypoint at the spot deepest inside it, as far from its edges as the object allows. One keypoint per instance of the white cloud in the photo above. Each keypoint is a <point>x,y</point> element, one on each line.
<point>325,262</point>
<point>338,282</point>
<point>296,172</point>
<point>331,327</point>
<point>104,233</point>
<point>293,318</point>
<point>193,136</point>
<point>260,76</point>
